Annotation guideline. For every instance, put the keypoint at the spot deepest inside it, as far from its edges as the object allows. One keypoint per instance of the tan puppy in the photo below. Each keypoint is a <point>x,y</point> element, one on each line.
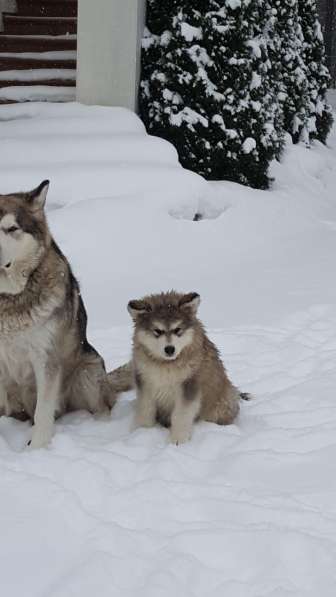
<point>177,371</point>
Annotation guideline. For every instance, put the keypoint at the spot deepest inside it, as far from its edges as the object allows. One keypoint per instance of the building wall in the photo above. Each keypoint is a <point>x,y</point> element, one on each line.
<point>109,51</point>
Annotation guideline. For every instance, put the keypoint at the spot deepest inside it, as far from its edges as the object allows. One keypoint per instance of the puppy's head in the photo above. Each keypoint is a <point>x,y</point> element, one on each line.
<point>164,323</point>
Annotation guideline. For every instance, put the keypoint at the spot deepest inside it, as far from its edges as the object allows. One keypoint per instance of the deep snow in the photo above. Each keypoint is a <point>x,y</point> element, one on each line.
<point>243,511</point>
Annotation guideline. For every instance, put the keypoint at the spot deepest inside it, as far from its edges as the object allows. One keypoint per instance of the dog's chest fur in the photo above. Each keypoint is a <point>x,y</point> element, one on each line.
<point>27,333</point>
<point>163,383</point>
<point>21,349</point>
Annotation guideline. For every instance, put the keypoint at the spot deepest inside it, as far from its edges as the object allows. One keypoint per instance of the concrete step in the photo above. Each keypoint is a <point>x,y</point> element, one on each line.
<point>37,93</point>
<point>19,25</point>
<point>42,76</point>
<point>38,43</point>
<point>50,8</point>
<point>28,60</point>
<point>52,82</point>
<point>38,52</point>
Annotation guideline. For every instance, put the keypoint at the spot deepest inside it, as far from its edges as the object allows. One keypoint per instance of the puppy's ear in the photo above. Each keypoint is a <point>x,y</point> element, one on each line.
<point>136,308</point>
<point>37,197</point>
<point>190,301</point>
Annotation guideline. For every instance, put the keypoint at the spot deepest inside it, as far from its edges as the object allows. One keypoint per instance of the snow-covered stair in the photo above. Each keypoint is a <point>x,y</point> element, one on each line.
<point>38,52</point>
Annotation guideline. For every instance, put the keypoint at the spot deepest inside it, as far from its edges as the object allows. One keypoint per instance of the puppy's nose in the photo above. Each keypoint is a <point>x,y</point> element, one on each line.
<point>169,350</point>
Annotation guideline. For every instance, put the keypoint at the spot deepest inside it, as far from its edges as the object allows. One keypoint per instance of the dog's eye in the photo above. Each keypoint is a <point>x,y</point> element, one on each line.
<point>157,332</point>
<point>12,229</point>
<point>178,331</point>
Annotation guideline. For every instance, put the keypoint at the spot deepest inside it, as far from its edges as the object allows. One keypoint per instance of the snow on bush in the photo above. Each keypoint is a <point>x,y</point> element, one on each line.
<point>313,52</point>
<point>218,72</point>
<point>215,68</point>
<point>289,68</point>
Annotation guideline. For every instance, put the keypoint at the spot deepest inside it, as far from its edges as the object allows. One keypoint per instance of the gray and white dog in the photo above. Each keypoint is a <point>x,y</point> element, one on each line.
<point>177,371</point>
<point>47,366</point>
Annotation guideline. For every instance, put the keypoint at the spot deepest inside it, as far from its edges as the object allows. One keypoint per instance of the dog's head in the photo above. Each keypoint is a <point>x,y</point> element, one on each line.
<point>165,323</point>
<point>23,230</point>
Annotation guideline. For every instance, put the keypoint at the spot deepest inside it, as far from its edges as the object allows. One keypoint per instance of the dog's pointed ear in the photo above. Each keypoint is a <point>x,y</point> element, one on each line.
<point>190,301</point>
<point>37,197</point>
<point>136,308</point>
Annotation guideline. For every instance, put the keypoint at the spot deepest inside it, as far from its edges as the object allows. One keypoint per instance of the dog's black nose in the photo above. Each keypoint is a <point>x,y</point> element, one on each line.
<point>169,350</point>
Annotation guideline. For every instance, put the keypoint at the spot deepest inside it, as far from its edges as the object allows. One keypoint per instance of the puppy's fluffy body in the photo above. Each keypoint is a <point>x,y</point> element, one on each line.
<point>177,371</point>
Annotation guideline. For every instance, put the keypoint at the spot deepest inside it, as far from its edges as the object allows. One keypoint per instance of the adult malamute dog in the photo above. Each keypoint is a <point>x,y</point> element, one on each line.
<point>47,366</point>
<point>177,371</point>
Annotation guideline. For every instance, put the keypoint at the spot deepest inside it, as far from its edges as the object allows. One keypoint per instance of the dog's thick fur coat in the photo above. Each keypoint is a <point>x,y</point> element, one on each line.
<point>47,366</point>
<point>188,383</point>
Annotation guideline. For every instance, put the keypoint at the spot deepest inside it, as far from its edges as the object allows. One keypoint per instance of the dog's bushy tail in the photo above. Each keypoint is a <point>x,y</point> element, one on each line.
<point>121,379</point>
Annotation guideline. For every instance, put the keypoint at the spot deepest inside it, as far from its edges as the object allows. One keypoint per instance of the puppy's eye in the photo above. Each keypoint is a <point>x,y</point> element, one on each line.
<point>157,332</point>
<point>178,331</point>
<point>12,229</point>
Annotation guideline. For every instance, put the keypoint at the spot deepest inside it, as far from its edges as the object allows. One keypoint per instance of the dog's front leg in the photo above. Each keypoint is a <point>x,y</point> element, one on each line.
<point>48,382</point>
<point>145,406</point>
<point>4,406</point>
<point>186,409</point>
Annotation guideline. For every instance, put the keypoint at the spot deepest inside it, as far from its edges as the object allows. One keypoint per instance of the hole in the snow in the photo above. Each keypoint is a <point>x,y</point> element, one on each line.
<point>210,213</point>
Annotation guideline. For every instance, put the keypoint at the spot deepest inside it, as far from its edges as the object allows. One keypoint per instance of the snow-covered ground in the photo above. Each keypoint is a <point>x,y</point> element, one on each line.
<point>243,511</point>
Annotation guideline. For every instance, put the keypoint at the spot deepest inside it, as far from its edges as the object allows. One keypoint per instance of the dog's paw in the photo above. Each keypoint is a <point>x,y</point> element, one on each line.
<point>179,436</point>
<point>39,440</point>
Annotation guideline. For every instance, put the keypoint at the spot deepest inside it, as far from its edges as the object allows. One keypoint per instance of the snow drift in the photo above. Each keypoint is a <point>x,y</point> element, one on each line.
<point>243,511</point>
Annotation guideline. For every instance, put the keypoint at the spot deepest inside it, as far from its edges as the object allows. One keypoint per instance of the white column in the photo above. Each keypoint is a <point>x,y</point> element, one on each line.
<point>108,51</point>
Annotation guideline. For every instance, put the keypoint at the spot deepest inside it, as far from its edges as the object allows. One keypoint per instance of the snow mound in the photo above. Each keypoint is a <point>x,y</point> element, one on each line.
<point>90,152</point>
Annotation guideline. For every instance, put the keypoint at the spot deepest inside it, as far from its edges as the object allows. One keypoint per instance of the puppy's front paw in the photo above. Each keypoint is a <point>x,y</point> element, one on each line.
<point>39,440</point>
<point>179,436</point>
